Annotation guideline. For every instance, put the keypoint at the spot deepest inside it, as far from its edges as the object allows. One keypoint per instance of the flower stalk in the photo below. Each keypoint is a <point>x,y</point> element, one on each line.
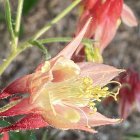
<point>8,60</point>
<point>18,21</point>
<point>56,19</point>
<point>16,48</point>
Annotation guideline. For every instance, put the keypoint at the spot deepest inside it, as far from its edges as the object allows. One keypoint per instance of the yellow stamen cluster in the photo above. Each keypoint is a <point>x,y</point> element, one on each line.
<point>95,93</point>
<point>78,92</point>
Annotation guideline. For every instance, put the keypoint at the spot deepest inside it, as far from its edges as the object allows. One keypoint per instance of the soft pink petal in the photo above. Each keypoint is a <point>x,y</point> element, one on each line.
<point>32,121</point>
<point>82,21</point>
<point>58,120</point>
<point>38,80</point>
<point>64,69</point>
<point>86,128</point>
<point>104,33</point>
<point>21,108</point>
<point>20,85</point>
<point>90,30</point>
<point>87,119</point>
<point>100,73</point>
<point>68,51</point>
<point>26,84</point>
<point>128,16</point>
<point>5,136</point>
<point>96,119</point>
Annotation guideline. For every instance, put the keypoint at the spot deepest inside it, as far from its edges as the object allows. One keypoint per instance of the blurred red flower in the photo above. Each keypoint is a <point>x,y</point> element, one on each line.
<point>61,93</point>
<point>107,15</point>
<point>129,95</point>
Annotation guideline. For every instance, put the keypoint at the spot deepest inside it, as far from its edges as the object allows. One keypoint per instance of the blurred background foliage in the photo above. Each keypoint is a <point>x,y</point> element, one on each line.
<point>27,6</point>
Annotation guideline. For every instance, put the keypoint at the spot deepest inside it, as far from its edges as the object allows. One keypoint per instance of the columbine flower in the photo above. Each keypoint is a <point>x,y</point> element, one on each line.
<point>62,94</point>
<point>106,20</point>
<point>129,95</point>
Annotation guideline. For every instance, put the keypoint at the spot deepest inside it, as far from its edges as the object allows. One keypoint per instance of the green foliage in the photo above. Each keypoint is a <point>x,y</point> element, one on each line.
<point>132,136</point>
<point>4,123</point>
<point>8,18</point>
<point>42,48</point>
<point>29,135</point>
<point>28,5</point>
<point>92,53</point>
<point>21,31</point>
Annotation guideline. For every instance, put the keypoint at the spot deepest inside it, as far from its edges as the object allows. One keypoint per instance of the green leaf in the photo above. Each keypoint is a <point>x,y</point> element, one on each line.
<point>8,18</point>
<point>4,123</point>
<point>42,48</point>
<point>16,136</point>
<point>21,31</point>
<point>23,135</point>
<point>64,39</point>
<point>93,53</point>
<point>28,5</point>
<point>32,136</point>
<point>132,136</point>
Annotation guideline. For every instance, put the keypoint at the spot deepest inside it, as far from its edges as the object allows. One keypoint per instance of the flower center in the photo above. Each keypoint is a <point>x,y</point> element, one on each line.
<point>95,93</point>
<point>77,92</point>
<point>65,99</point>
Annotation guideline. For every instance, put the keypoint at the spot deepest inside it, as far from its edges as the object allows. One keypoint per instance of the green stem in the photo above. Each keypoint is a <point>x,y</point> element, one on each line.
<point>7,62</point>
<point>25,45</point>
<point>56,19</point>
<point>12,56</point>
<point>18,21</point>
<point>62,39</point>
<point>14,44</point>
